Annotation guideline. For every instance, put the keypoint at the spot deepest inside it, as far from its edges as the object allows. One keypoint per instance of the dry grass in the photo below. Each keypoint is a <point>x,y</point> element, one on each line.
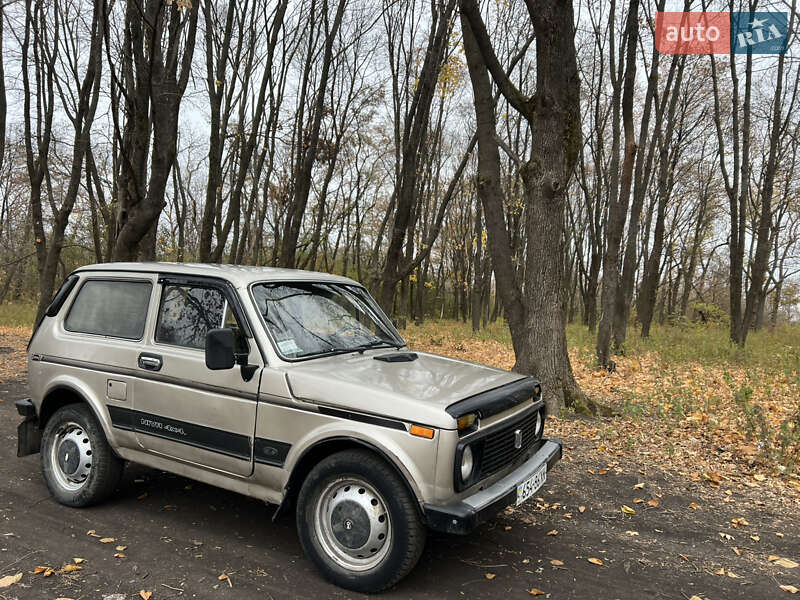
<point>687,402</point>
<point>13,341</point>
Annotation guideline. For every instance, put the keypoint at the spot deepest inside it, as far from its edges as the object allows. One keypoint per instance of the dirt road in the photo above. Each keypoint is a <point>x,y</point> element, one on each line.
<point>180,536</point>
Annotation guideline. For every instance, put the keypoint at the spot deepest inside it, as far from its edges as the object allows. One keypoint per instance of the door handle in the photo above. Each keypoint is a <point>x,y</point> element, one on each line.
<point>151,362</point>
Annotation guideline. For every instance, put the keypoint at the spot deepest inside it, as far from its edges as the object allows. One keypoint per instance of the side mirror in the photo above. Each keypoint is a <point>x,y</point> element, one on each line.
<point>220,349</point>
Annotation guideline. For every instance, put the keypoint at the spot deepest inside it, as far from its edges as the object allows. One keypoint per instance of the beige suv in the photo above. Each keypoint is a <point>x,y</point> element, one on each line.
<point>289,386</point>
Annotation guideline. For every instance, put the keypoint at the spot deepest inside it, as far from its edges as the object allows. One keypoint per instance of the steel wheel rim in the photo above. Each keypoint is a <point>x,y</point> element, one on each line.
<point>71,456</point>
<point>352,524</point>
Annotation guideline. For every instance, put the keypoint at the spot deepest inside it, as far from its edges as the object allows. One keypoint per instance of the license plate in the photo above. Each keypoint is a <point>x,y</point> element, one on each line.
<point>530,486</point>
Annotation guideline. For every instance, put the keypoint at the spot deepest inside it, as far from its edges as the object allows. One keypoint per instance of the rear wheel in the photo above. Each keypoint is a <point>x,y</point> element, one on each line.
<point>358,523</point>
<point>78,465</point>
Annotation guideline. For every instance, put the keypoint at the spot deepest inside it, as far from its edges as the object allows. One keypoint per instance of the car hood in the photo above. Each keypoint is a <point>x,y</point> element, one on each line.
<point>417,390</point>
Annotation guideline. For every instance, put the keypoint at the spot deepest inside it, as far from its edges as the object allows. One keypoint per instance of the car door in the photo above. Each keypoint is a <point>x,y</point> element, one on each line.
<point>183,409</point>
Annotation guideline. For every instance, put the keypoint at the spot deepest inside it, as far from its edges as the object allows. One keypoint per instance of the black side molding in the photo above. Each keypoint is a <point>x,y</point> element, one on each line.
<point>497,399</point>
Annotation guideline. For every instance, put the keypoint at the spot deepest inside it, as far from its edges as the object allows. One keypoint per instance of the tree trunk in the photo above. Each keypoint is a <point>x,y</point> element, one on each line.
<point>538,327</point>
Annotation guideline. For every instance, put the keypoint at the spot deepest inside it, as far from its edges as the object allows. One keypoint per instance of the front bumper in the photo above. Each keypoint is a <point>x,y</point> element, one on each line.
<point>465,515</point>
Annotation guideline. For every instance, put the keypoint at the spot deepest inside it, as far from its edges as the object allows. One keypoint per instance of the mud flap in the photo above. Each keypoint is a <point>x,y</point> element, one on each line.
<point>29,436</point>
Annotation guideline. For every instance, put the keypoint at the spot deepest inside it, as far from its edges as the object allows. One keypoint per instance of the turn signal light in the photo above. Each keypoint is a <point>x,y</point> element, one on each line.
<point>420,431</point>
<point>466,421</point>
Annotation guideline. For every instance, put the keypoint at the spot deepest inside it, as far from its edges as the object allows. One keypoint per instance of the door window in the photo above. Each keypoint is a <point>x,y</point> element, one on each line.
<point>115,308</point>
<point>187,314</point>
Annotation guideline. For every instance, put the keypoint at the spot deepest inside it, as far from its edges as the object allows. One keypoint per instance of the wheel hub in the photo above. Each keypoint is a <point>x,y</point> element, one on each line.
<point>350,524</point>
<point>353,524</point>
<point>72,456</point>
<point>68,458</point>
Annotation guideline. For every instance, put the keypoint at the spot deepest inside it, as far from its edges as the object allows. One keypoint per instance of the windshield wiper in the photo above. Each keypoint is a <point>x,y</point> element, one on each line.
<point>377,343</point>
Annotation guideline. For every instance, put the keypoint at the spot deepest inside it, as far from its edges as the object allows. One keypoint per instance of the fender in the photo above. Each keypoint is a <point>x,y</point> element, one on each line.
<point>76,386</point>
<point>329,445</point>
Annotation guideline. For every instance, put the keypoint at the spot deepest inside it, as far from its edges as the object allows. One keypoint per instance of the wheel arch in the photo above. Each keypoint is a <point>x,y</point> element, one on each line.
<point>320,450</point>
<point>63,394</point>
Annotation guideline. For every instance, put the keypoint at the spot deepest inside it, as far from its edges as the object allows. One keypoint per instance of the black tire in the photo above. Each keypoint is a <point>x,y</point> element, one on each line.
<point>408,532</point>
<point>105,467</point>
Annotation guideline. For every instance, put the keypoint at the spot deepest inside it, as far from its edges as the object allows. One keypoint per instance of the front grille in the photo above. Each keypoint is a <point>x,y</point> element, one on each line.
<point>498,446</point>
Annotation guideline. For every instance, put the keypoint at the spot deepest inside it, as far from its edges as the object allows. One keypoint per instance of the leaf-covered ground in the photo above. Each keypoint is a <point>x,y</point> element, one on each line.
<point>687,400</point>
<point>688,494</point>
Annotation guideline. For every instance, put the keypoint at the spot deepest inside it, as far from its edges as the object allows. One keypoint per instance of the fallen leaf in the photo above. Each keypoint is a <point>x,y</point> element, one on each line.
<point>759,477</point>
<point>581,509</point>
<point>78,561</point>
<point>629,532</point>
<point>490,576</point>
<point>772,557</point>
<point>535,592</point>
<point>628,510</point>
<point>9,580</point>
<point>38,570</point>
<point>780,535</point>
<point>121,548</point>
<point>145,595</point>
<point>553,532</point>
<point>733,575</point>
<point>755,538</point>
<point>786,563</point>
<point>91,532</point>
<point>789,588</point>
<point>638,500</point>
<point>638,486</point>
<point>107,540</point>
<point>725,536</point>
<point>595,561</point>
<point>71,568</point>
<point>693,506</point>
<point>120,555</point>
<point>736,550</point>
<point>739,521</point>
<point>695,598</point>
<point>556,563</point>
<point>720,572</point>
<point>507,528</point>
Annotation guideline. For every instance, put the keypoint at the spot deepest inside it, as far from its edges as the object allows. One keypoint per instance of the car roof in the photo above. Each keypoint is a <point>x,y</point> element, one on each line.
<point>238,275</point>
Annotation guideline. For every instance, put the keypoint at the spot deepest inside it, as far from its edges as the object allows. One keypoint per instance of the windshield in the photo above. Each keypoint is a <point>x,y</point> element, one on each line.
<point>310,319</point>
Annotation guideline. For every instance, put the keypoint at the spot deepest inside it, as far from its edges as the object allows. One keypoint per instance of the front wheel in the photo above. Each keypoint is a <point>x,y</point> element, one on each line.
<point>358,523</point>
<point>78,465</point>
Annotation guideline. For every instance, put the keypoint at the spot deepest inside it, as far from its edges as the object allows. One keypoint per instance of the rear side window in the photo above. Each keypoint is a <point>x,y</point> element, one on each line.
<point>187,313</point>
<point>112,308</point>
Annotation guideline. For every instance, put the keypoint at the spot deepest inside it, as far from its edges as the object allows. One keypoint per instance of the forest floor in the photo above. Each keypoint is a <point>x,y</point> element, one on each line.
<point>691,492</point>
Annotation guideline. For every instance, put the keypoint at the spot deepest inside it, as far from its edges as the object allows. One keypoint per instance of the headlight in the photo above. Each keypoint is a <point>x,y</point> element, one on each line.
<point>467,463</point>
